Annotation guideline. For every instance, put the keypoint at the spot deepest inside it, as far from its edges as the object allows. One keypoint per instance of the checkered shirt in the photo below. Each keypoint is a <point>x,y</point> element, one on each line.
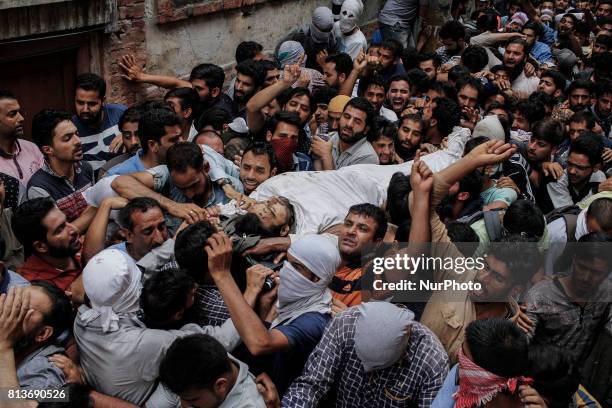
<point>412,382</point>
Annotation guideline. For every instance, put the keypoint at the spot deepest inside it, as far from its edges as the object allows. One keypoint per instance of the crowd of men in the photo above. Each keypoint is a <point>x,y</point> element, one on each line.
<point>207,249</point>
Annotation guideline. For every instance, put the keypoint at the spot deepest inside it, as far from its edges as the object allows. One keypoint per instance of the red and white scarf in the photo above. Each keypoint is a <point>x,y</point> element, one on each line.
<point>478,386</point>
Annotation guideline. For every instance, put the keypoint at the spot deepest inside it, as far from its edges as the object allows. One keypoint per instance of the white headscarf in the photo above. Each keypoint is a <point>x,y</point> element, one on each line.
<point>321,25</point>
<point>380,334</point>
<point>297,294</point>
<point>490,127</point>
<point>112,284</point>
<point>349,14</point>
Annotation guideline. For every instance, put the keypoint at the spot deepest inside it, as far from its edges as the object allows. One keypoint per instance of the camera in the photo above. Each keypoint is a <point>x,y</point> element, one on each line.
<point>269,284</point>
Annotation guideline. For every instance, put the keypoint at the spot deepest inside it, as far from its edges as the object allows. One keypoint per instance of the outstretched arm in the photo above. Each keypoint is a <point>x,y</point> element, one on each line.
<point>95,239</point>
<point>133,72</point>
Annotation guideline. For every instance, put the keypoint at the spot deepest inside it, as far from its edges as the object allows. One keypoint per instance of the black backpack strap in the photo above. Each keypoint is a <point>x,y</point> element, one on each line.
<point>571,221</point>
<point>493,225</point>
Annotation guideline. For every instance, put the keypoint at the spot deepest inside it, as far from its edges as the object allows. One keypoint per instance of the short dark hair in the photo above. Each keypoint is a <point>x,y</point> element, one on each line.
<point>589,144</point>
<point>415,117</point>
<point>448,114</point>
<point>572,17</point>
<point>60,315</point>
<point>525,218</point>
<point>602,88</point>
<point>533,111</point>
<point>91,82</point>
<point>152,124</point>
<point>291,118</point>
<point>371,80</point>
<point>131,114</point>
<point>445,88</point>
<point>382,128</point>
<point>487,22</point>
<point>543,98</point>
<point>397,198</point>
<point>520,41</point>
<point>247,50</point>
<point>287,94</point>
<point>27,221</point>
<point>520,256</point>
<point>215,117</point>
<point>426,56</point>
<point>138,204</point>
<point>601,211</point>
<point>549,130</point>
<point>394,46</point>
<point>164,294</point>
<point>604,39</point>
<point>419,79</point>
<point>457,72</point>
<point>535,26</point>
<point>583,116</point>
<point>183,156</point>
<point>211,74</point>
<point>498,346</point>
<point>598,247</point>
<point>189,249</point>
<point>44,124</point>
<point>262,149</point>
<point>365,106</point>
<point>343,61</point>
<point>555,376</point>
<point>6,94</point>
<point>580,84</point>
<point>474,58</point>
<point>252,70</point>
<point>324,95</point>
<point>188,98</point>
<point>193,363</point>
<point>557,77</point>
<point>453,30</point>
<point>474,83</point>
<point>374,212</point>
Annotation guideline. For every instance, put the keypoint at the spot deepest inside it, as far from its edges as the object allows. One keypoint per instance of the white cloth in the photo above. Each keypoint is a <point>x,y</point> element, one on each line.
<point>377,352</point>
<point>526,85</point>
<point>388,114</point>
<point>349,14</point>
<point>321,199</point>
<point>112,284</point>
<point>350,44</point>
<point>296,293</point>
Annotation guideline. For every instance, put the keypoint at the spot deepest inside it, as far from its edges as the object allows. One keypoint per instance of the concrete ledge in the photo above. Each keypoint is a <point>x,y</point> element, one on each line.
<point>173,10</point>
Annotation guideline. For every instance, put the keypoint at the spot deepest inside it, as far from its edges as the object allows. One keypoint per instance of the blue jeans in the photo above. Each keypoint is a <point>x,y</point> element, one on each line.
<point>403,35</point>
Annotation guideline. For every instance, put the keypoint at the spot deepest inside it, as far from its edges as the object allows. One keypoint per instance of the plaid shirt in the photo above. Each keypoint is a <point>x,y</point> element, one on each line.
<point>209,308</point>
<point>411,382</point>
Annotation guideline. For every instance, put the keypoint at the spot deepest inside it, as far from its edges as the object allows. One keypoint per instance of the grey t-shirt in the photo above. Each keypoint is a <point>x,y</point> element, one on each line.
<point>37,372</point>
<point>402,12</point>
<point>361,152</point>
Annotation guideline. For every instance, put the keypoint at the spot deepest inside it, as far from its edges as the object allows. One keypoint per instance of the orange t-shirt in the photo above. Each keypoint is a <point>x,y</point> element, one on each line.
<point>342,286</point>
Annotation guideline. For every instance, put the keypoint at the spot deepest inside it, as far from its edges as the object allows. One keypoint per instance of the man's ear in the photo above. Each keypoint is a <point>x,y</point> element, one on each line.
<point>47,150</point>
<point>268,136</point>
<point>187,113</point>
<point>215,92</point>
<point>284,231</point>
<point>221,386</point>
<point>463,196</point>
<point>273,172</point>
<point>126,234</point>
<point>557,93</point>
<point>433,122</point>
<point>342,77</point>
<point>153,146</point>
<point>366,130</point>
<point>596,167</point>
<point>40,247</point>
<point>43,334</point>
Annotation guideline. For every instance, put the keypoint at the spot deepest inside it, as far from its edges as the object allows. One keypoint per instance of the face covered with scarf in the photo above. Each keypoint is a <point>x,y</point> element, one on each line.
<point>112,284</point>
<point>321,25</point>
<point>378,352</point>
<point>311,264</point>
<point>284,140</point>
<point>290,53</point>
<point>349,14</point>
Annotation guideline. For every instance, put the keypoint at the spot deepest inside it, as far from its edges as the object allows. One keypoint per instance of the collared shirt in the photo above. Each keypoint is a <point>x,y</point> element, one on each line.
<point>562,193</point>
<point>23,162</point>
<point>68,195</point>
<point>302,162</point>
<point>35,268</point>
<point>361,152</point>
<point>334,364</point>
<point>541,52</point>
<point>132,164</point>
<point>96,141</point>
<point>11,279</point>
<point>209,307</point>
<point>560,322</point>
<point>125,363</point>
<point>37,372</point>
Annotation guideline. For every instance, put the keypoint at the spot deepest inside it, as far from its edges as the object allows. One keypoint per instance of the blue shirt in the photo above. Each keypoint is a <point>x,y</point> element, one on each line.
<point>120,247</point>
<point>445,399</point>
<point>541,52</point>
<point>97,140</point>
<point>131,165</point>
<point>11,279</point>
<point>303,335</point>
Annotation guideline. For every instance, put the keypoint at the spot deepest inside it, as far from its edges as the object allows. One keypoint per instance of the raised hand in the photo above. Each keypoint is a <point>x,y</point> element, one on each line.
<point>421,177</point>
<point>360,63</point>
<point>14,307</point>
<point>131,70</point>
<point>219,250</point>
<point>291,74</point>
<point>491,152</point>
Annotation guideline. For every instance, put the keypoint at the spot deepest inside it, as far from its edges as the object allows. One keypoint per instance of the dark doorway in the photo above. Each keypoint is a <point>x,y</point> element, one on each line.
<point>44,81</point>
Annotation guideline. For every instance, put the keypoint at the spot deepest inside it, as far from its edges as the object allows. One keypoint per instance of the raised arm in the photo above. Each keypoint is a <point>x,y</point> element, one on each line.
<point>255,118</point>
<point>95,239</point>
<point>359,65</point>
<point>133,72</point>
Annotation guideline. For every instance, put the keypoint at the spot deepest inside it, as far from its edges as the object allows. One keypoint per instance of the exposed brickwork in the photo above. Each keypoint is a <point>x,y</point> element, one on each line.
<point>167,12</point>
<point>129,38</point>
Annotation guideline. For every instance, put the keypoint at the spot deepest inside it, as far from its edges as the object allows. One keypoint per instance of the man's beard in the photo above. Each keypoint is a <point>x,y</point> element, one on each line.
<point>241,99</point>
<point>405,153</point>
<point>355,137</point>
<point>91,118</point>
<point>250,224</point>
<point>69,251</point>
<point>514,73</point>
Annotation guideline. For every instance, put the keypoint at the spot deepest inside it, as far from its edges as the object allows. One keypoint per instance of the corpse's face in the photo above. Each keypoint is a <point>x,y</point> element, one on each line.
<point>273,215</point>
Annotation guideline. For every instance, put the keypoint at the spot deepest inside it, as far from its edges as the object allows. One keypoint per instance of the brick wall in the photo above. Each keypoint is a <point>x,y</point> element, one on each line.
<point>128,38</point>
